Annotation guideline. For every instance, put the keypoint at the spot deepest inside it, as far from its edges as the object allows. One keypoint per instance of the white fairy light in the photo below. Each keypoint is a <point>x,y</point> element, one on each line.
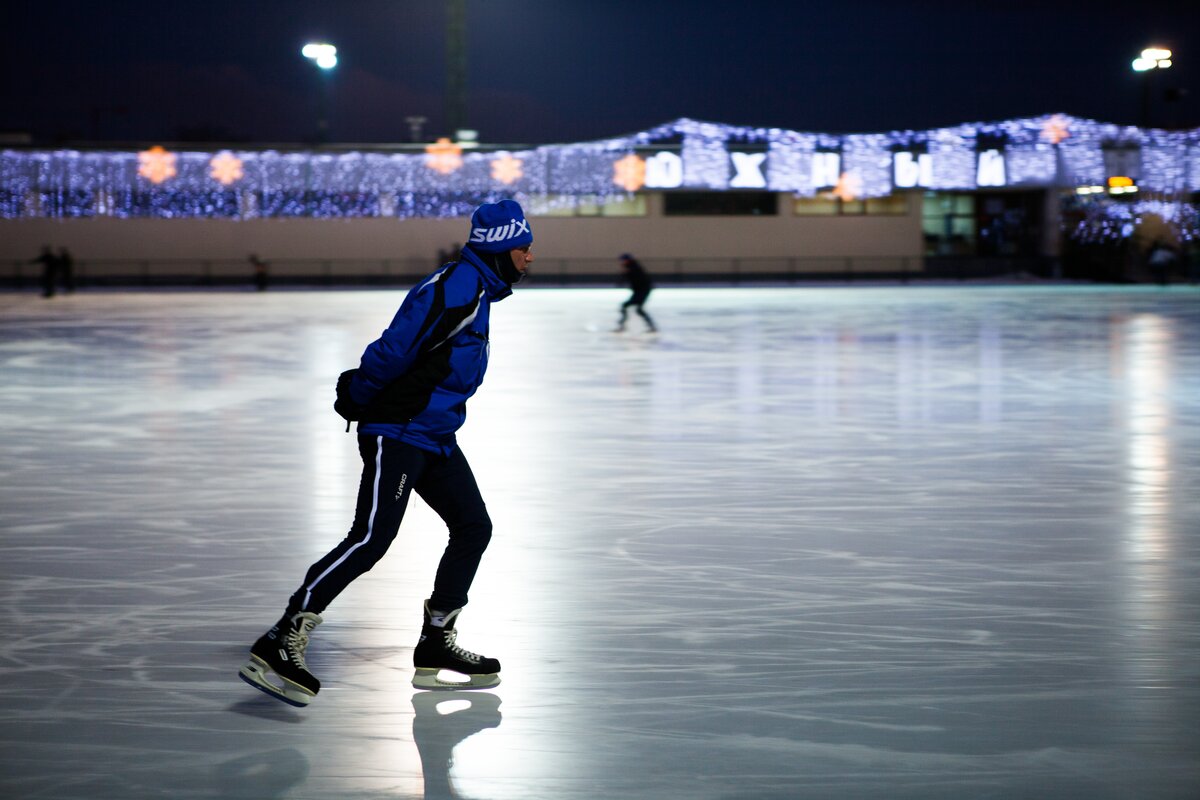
<point>1043,151</point>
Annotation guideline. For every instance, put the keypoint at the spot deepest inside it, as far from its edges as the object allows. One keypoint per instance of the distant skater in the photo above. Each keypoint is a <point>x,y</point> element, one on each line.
<point>641,285</point>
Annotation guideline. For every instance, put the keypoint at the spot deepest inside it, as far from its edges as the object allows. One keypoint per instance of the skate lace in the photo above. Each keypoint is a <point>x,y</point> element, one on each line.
<point>297,642</point>
<point>452,646</point>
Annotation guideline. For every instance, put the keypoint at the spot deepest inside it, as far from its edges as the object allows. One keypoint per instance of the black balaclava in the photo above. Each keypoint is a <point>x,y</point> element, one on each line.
<point>500,263</point>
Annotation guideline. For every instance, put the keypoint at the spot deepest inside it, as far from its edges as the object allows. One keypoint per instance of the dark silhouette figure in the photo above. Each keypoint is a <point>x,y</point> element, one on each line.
<point>49,263</point>
<point>641,285</point>
<point>1162,261</point>
<point>261,272</point>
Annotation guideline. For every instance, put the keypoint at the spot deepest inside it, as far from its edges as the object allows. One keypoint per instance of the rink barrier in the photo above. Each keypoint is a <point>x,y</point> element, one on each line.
<point>546,271</point>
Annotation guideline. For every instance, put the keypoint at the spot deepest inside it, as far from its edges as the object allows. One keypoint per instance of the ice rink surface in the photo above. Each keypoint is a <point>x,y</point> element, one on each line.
<point>874,542</point>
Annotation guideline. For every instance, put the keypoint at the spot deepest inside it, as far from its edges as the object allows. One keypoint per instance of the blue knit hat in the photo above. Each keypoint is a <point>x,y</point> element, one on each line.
<point>499,227</point>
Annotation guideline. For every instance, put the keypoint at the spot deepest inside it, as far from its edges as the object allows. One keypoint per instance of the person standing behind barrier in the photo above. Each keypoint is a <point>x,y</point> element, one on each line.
<point>641,285</point>
<point>66,267</point>
<point>49,263</point>
<point>260,272</point>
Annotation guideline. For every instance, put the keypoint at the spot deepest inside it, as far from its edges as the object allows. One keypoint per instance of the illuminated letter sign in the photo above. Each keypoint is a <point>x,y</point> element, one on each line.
<point>908,171</point>
<point>827,168</point>
<point>991,169</point>
<point>664,171</point>
<point>749,171</point>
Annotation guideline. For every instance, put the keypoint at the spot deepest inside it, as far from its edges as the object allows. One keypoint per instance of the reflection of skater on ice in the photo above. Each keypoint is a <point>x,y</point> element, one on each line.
<point>639,282</point>
<point>437,732</point>
<point>408,395</point>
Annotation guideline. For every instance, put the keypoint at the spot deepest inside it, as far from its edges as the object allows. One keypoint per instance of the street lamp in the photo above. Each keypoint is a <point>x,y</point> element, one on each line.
<point>1151,60</point>
<point>324,55</point>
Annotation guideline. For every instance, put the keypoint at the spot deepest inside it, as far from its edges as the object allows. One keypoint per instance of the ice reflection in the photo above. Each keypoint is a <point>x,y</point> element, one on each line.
<point>334,463</point>
<point>1148,545</point>
<point>806,543</point>
<point>1148,419</point>
<point>991,372</point>
<point>525,436</point>
<point>440,722</point>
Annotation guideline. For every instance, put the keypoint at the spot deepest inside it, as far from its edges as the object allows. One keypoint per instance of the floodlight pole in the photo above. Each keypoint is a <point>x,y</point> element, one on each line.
<point>325,57</point>
<point>1152,59</point>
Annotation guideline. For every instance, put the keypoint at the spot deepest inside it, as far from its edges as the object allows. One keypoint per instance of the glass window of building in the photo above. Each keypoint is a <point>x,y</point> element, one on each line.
<point>895,204</point>
<point>828,205</point>
<point>567,205</point>
<point>821,205</point>
<point>948,224</point>
<point>621,205</point>
<point>708,204</point>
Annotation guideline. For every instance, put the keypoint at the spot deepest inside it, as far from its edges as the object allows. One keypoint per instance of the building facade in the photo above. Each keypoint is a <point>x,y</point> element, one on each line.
<point>696,200</point>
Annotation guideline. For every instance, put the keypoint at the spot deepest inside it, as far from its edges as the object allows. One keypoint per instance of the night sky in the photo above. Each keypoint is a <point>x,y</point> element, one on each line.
<point>544,71</point>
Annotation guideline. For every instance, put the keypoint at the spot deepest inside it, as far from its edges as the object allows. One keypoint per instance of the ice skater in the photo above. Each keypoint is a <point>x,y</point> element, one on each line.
<point>408,396</point>
<point>640,284</point>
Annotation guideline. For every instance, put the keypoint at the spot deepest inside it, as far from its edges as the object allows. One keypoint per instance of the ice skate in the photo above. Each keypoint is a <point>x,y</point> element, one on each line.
<point>438,651</point>
<point>277,665</point>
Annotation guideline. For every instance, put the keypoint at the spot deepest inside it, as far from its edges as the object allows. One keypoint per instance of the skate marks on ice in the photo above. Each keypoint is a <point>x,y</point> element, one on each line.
<point>902,527</point>
<point>809,543</point>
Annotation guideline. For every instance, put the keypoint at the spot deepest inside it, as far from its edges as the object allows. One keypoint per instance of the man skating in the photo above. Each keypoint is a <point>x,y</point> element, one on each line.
<point>640,284</point>
<point>409,396</point>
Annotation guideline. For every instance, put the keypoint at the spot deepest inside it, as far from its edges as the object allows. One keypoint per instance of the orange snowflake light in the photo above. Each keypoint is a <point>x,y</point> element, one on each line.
<point>444,156</point>
<point>226,168</point>
<point>630,173</point>
<point>849,187</point>
<point>1055,129</point>
<point>156,164</point>
<point>506,169</point>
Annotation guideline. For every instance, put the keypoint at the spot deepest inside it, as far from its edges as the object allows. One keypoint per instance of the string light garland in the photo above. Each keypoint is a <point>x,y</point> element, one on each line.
<point>1108,223</point>
<point>445,180</point>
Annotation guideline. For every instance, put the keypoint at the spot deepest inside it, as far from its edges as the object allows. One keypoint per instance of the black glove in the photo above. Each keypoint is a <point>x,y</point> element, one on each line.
<point>344,405</point>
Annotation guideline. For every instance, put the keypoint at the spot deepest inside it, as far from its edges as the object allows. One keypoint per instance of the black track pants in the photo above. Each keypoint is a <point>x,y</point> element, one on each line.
<point>637,299</point>
<point>391,471</point>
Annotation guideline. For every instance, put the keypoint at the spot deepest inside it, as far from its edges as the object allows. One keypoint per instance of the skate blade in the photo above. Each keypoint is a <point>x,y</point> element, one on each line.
<point>426,678</point>
<point>256,674</point>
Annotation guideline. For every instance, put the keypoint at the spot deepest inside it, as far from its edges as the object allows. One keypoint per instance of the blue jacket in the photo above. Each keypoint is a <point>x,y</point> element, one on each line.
<point>414,380</point>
